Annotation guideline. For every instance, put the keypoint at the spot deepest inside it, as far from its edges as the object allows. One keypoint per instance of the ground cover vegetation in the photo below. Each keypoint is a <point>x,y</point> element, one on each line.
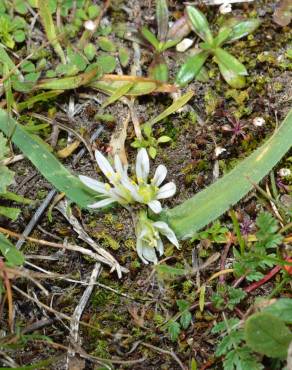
<point>145,184</point>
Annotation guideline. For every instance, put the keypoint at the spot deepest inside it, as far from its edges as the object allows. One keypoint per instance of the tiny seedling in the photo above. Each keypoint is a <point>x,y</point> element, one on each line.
<point>237,355</point>
<point>149,141</point>
<point>232,70</point>
<point>227,297</point>
<point>216,233</point>
<point>158,69</point>
<point>181,321</point>
<point>252,261</point>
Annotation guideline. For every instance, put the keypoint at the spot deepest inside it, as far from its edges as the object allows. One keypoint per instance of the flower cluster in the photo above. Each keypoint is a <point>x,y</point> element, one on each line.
<point>148,238</point>
<point>125,191</point>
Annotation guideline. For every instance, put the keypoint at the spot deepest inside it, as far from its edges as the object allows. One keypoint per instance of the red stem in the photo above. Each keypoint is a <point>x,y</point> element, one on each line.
<point>266,278</point>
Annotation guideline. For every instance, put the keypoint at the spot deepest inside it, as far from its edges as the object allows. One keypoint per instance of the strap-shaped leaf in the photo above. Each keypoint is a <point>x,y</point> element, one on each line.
<point>230,62</point>
<point>191,68</point>
<point>199,24</point>
<point>150,37</point>
<point>12,255</point>
<point>48,165</point>
<point>197,212</point>
<point>69,83</point>
<point>47,20</point>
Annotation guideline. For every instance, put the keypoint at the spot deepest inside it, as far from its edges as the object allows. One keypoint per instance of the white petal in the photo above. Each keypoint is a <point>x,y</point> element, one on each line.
<point>142,165</point>
<point>139,248</point>
<point>117,196</point>
<point>166,191</point>
<point>102,203</point>
<point>164,229</point>
<point>160,247</point>
<point>149,254</point>
<point>159,175</point>
<point>104,165</point>
<point>94,184</point>
<point>155,206</point>
<point>120,168</point>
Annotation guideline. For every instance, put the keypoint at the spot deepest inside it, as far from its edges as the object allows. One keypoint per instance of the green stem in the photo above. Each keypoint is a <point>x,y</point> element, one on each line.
<point>236,227</point>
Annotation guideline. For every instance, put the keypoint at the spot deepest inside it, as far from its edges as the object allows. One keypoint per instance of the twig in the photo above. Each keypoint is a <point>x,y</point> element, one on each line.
<point>70,247</point>
<point>223,261</point>
<point>166,352</point>
<point>74,325</point>
<point>10,160</point>
<point>66,128</point>
<point>35,218</point>
<point>59,314</point>
<point>118,138</point>
<point>135,120</point>
<point>266,278</point>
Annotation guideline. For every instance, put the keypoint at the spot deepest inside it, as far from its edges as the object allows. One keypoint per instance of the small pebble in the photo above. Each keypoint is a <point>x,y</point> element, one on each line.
<point>284,172</point>
<point>258,121</point>
<point>184,45</point>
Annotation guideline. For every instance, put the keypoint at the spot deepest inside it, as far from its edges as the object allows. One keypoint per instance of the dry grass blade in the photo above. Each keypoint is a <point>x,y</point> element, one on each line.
<point>71,247</point>
<point>62,207</point>
<point>74,325</point>
<point>118,139</point>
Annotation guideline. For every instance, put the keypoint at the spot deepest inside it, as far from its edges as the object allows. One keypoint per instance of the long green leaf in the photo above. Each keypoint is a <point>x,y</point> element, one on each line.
<point>9,212</point>
<point>46,162</point>
<point>5,59</point>
<point>69,83</point>
<point>150,37</point>
<point>12,255</point>
<point>191,68</point>
<point>111,87</point>
<point>47,20</point>
<point>29,103</point>
<point>197,212</point>
<point>118,94</point>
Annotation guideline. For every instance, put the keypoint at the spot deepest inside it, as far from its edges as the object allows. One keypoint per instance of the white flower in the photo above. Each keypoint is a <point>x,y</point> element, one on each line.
<point>148,239</point>
<point>125,191</point>
<point>225,8</point>
<point>151,193</point>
